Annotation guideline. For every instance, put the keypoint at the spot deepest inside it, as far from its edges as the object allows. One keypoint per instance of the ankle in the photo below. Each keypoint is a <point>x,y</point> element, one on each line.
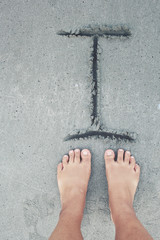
<point>72,215</point>
<point>74,207</point>
<point>75,200</point>
<point>122,213</point>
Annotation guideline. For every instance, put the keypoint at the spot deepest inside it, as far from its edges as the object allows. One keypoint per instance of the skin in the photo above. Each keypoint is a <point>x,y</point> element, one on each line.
<point>122,175</point>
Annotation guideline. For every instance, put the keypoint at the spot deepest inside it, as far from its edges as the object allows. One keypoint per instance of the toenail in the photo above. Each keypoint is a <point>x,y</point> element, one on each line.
<point>121,150</point>
<point>109,153</point>
<point>65,156</point>
<point>85,152</point>
<point>77,150</point>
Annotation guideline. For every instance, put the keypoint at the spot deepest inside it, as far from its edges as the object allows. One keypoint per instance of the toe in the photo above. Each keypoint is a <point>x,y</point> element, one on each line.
<point>137,168</point>
<point>71,156</point>
<point>127,157</point>
<point>77,155</point>
<point>86,156</point>
<point>59,168</point>
<point>65,159</point>
<point>109,156</point>
<point>132,161</point>
<point>120,156</point>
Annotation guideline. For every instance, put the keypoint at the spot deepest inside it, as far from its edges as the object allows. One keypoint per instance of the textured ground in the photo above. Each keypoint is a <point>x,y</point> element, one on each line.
<point>48,91</point>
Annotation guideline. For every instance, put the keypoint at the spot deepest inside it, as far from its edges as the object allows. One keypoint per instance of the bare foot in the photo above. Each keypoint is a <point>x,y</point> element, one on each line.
<point>123,177</point>
<point>73,175</point>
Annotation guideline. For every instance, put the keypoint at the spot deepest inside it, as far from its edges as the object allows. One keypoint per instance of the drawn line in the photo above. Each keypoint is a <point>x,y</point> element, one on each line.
<point>104,31</point>
<point>94,97</point>
<point>109,135</point>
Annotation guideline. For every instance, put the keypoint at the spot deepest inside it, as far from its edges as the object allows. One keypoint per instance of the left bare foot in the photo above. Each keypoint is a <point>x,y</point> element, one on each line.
<point>73,175</point>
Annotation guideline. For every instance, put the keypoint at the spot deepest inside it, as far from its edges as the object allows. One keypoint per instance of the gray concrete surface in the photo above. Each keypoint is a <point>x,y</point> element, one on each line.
<point>45,94</point>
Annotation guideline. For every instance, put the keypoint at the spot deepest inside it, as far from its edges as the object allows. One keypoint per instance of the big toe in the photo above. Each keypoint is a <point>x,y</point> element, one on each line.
<point>109,156</point>
<point>86,156</point>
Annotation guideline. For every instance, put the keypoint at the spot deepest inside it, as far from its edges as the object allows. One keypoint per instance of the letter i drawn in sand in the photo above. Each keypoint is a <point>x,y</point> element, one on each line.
<point>96,129</point>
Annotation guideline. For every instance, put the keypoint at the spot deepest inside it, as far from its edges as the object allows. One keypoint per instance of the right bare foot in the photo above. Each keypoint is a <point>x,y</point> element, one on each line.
<point>123,177</point>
